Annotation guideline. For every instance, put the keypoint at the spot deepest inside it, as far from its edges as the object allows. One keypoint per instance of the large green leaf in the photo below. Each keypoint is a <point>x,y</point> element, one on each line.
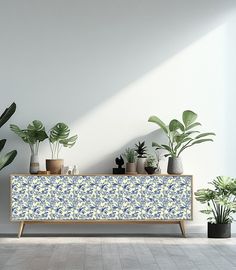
<point>189,117</point>
<point>7,159</point>
<point>201,141</point>
<point>2,144</point>
<point>36,126</point>
<point>175,125</point>
<point>22,133</point>
<point>156,120</point>
<point>59,132</point>
<point>7,114</point>
<point>69,142</point>
<point>204,135</point>
<point>193,125</point>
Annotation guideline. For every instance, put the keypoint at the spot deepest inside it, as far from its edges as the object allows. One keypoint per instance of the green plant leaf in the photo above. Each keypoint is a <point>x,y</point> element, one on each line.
<point>204,135</point>
<point>22,133</point>
<point>189,117</point>
<point>193,125</point>
<point>175,125</point>
<point>154,144</point>
<point>7,114</point>
<point>7,159</point>
<point>2,144</point>
<point>201,141</point>
<point>69,142</point>
<point>167,147</point>
<point>59,132</point>
<point>156,120</point>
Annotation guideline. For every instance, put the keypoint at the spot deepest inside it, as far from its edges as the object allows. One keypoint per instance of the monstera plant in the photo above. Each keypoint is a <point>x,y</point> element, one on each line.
<point>58,138</point>
<point>181,136</point>
<point>6,159</point>
<point>32,135</point>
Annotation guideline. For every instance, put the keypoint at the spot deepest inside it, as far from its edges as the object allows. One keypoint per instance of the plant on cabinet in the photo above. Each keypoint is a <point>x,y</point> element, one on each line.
<point>221,205</point>
<point>58,138</point>
<point>150,164</point>
<point>130,156</point>
<point>34,134</point>
<point>141,156</point>
<point>180,137</point>
<point>6,159</point>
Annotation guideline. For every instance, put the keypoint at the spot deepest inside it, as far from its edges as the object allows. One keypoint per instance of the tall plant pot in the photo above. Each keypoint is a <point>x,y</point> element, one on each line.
<point>131,168</point>
<point>219,230</point>
<point>54,165</point>
<point>34,164</point>
<point>141,165</point>
<point>175,165</point>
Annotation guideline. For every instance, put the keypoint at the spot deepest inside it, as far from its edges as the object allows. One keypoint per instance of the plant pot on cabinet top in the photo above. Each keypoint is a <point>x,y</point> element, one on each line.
<point>54,165</point>
<point>175,165</point>
<point>131,168</point>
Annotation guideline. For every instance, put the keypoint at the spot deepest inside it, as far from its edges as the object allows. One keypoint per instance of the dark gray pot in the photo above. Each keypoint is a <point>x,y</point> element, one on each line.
<point>219,230</point>
<point>175,165</point>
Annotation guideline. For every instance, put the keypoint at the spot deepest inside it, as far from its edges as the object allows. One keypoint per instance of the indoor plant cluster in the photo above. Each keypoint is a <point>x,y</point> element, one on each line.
<point>58,136</point>
<point>138,161</point>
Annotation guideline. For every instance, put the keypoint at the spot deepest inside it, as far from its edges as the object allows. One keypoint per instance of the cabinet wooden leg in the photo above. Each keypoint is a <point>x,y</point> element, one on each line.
<point>21,228</point>
<point>182,228</point>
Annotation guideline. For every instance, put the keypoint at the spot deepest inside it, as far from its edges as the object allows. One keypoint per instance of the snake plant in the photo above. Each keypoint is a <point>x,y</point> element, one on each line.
<point>181,135</point>
<point>6,159</point>
<point>33,134</point>
<point>220,201</point>
<point>58,137</point>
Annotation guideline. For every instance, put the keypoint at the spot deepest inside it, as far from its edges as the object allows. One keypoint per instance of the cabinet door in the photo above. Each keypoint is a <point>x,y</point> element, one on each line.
<point>177,197</point>
<point>62,197</point>
<point>19,198</point>
<point>107,195</point>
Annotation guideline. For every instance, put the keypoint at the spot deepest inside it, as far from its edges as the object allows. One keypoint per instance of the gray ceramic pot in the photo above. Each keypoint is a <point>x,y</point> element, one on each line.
<point>131,168</point>
<point>175,165</point>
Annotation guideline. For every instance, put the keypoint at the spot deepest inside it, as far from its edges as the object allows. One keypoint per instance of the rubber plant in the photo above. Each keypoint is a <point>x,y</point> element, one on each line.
<point>7,159</point>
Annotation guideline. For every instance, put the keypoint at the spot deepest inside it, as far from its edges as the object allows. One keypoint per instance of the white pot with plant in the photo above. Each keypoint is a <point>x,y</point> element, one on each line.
<point>141,156</point>
<point>180,137</point>
<point>34,134</point>
<point>58,138</point>
<point>130,156</point>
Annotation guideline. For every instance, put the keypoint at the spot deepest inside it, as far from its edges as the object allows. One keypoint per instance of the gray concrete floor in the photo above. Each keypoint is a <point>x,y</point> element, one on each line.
<point>117,252</point>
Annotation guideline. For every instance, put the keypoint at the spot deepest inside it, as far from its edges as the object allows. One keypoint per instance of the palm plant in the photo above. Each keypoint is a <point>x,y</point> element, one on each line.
<point>220,201</point>
<point>180,135</point>
<point>33,135</point>
<point>7,159</point>
<point>58,137</point>
<point>141,149</point>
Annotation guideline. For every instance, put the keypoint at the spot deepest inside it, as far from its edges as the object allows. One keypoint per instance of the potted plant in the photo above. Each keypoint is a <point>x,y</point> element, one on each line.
<point>6,159</point>
<point>141,156</point>
<point>33,135</point>
<point>130,156</point>
<point>221,204</point>
<point>150,164</point>
<point>180,137</point>
<point>58,138</point>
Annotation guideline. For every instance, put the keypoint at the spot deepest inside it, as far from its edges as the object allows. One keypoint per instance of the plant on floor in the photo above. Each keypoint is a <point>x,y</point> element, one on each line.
<point>59,137</point>
<point>220,201</point>
<point>141,149</point>
<point>6,159</point>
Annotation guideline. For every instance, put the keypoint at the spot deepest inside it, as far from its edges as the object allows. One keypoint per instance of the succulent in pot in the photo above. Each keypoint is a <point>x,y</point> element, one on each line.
<point>6,159</point>
<point>130,156</point>
<point>221,205</point>
<point>34,134</point>
<point>58,138</point>
<point>141,156</point>
<point>150,164</point>
<point>180,135</point>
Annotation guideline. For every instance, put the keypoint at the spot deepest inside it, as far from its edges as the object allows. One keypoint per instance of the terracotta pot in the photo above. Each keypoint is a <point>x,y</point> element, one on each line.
<point>54,165</point>
<point>131,168</point>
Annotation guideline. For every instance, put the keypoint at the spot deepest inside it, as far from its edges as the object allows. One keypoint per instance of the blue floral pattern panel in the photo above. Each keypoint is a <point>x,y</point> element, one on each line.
<point>62,197</point>
<point>19,198</point>
<point>40,198</point>
<point>108,197</point>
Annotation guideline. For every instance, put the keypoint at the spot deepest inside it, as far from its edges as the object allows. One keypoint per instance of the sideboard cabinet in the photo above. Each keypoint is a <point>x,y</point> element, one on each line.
<point>101,199</point>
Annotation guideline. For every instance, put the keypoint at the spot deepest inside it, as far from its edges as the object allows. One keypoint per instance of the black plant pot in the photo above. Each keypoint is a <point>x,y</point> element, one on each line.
<point>219,230</point>
<point>150,170</point>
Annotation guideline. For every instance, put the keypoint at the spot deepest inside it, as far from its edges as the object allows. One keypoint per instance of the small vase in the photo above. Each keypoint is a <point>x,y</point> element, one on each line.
<point>175,165</point>
<point>34,164</point>
<point>140,165</point>
<point>131,168</point>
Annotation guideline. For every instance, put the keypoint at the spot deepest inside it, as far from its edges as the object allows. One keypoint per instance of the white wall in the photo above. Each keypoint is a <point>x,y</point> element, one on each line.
<point>104,67</point>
